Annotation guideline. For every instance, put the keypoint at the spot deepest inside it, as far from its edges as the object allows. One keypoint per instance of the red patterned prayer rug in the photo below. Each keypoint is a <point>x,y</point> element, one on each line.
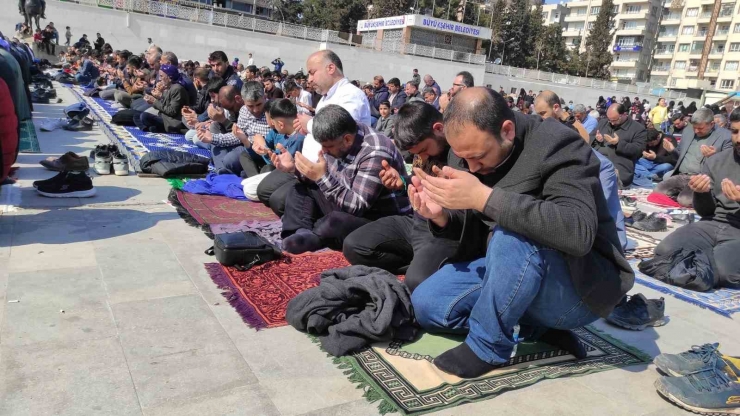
<point>211,209</point>
<point>261,294</point>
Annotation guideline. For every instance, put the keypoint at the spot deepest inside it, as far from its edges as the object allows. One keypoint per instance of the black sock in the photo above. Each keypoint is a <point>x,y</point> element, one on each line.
<point>302,241</point>
<point>565,340</point>
<point>461,361</point>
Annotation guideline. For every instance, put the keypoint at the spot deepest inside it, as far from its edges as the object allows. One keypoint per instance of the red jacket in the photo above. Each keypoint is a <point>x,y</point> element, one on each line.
<point>8,131</point>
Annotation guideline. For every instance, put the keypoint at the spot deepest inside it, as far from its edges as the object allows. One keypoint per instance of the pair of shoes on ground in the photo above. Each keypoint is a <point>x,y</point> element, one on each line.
<point>637,313</point>
<point>84,124</point>
<point>646,222</point>
<point>701,380</point>
<point>109,159</point>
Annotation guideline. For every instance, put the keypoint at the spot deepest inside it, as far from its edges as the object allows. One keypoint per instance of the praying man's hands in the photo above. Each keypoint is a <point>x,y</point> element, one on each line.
<point>700,183</point>
<point>259,145</point>
<point>707,151</point>
<point>216,113</point>
<point>149,99</point>
<point>423,205</point>
<point>599,136</point>
<point>301,123</point>
<point>454,189</point>
<point>612,140</point>
<point>204,135</point>
<point>390,177</point>
<point>310,170</point>
<point>668,146</point>
<point>731,191</point>
<point>239,133</point>
<point>283,162</point>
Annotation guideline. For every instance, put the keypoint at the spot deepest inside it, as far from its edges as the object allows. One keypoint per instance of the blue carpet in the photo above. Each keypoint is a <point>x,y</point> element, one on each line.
<point>136,142</point>
<point>722,301</point>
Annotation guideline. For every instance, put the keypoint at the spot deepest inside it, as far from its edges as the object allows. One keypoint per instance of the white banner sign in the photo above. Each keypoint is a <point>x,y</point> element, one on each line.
<point>425,22</point>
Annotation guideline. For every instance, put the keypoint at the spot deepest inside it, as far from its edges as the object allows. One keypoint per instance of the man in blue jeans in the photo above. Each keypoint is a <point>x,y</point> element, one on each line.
<point>88,72</point>
<point>538,247</point>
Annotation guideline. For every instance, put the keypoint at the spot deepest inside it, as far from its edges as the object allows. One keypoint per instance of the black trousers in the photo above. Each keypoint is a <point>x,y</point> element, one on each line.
<point>400,245</point>
<point>253,166</point>
<point>308,208</point>
<point>273,190</point>
<point>719,241</point>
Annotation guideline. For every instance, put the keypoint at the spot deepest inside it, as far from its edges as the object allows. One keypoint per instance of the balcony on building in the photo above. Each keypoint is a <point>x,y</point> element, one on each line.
<point>725,13</point>
<point>671,16</point>
<point>660,70</point>
<point>664,52</point>
<point>702,33</point>
<point>704,17</point>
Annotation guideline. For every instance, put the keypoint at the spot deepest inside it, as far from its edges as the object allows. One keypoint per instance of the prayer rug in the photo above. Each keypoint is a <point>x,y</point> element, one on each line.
<point>645,244</point>
<point>213,209</point>
<point>29,142</point>
<point>722,301</point>
<point>134,142</point>
<point>403,378</point>
<point>261,294</point>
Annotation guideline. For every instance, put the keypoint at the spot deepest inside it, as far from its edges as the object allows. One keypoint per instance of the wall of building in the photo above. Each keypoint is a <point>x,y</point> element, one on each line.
<point>195,41</point>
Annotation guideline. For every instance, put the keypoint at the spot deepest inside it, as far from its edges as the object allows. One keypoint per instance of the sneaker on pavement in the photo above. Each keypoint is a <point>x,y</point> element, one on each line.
<point>71,185</point>
<point>118,106</point>
<point>120,164</point>
<point>51,124</point>
<point>56,178</point>
<point>638,312</point>
<point>103,161</point>
<point>707,392</point>
<point>67,162</point>
<point>698,358</point>
<point>86,124</point>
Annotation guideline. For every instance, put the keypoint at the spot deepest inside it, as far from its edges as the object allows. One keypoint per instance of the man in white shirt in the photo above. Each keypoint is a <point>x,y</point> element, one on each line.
<point>251,60</point>
<point>299,96</point>
<point>326,74</point>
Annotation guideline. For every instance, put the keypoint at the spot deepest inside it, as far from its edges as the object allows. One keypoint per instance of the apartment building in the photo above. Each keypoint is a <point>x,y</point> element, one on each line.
<point>636,23</point>
<point>698,45</point>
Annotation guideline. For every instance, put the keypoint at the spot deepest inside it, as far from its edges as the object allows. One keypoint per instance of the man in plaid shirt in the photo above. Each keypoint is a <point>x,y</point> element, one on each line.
<point>342,191</point>
<point>228,147</point>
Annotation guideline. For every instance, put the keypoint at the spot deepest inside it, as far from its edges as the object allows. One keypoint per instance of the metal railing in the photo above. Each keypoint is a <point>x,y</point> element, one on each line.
<point>593,83</point>
<point>195,12</point>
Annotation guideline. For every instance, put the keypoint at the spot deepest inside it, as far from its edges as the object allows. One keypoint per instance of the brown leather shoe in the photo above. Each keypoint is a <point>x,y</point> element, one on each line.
<point>66,163</point>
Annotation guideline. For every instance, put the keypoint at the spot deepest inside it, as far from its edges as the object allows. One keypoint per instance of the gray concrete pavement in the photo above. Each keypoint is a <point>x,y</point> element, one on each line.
<point>116,315</point>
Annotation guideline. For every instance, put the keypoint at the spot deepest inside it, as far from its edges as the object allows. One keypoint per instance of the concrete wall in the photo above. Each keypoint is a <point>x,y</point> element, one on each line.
<point>579,95</point>
<point>196,40</point>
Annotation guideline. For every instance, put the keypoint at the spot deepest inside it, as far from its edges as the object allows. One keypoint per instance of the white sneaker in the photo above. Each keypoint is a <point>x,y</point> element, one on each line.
<point>118,106</point>
<point>120,164</point>
<point>51,124</point>
<point>103,162</point>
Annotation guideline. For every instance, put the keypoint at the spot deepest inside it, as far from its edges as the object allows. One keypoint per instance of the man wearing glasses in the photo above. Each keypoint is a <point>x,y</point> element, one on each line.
<point>462,81</point>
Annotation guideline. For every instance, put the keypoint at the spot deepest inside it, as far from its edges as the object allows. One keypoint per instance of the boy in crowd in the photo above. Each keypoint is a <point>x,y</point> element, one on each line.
<point>386,120</point>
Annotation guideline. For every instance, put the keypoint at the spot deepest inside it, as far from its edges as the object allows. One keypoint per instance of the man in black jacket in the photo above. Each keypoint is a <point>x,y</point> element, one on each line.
<point>221,67</point>
<point>621,139</point>
<point>716,192</point>
<point>553,261</point>
<point>99,42</point>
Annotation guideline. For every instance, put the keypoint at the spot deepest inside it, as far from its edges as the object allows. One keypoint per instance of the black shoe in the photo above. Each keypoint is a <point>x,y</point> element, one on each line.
<point>635,217</point>
<point>651,224</point>
<point>56,178</point>
<point>685,218</point>
<point>638,313</point>
<point>71,185</point>
<point>40,97</point>
<point>86,124</point>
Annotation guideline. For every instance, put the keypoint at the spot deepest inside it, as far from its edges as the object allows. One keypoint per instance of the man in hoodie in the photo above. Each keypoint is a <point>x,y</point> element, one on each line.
<point>381,91</point>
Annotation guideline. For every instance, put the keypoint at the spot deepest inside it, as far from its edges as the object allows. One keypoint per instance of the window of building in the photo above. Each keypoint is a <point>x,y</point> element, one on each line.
<point>575,41</point>
<point>736,29</point>
<point>626,41</point>
<point>544,15</point>
<point>712,83</point>
<point>632,9</point>
<point>714,66</point>
<point>735,47</point>
<point>684,47</point>
<point>731,66</point>
<point>615,9</point>
<point>726,10</point>
<point>595,9</point>
<point>581,11</point>
<point>689,30</point>
<point>679,65</point>
<point>590,25</point>
<point>703,31</point>
<point>556,16</point>
<point>723,29</point>
<point>718,48</point>
<point>727,84</point>
<point>629,24</point>
<point>697,47</point>
<point>692,12</point>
